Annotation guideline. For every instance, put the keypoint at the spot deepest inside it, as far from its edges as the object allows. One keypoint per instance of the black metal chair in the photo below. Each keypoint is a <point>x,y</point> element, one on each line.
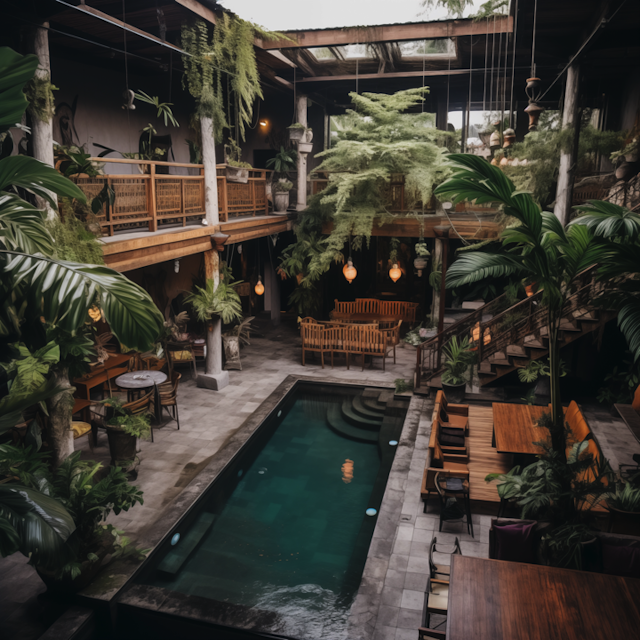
<point>437,570</point>
<point>455,504</point>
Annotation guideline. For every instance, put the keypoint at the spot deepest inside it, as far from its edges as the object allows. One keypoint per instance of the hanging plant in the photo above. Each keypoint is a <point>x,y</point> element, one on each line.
<point>393,253</point>
<point>228,54</point>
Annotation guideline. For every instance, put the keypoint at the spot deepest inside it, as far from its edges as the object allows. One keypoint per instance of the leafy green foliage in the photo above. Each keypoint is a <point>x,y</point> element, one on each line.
<point>164,108</point>
<point>536,368</point>
<point>73,242</point>
<point>561,491</point>
<point>63,511</point>
<point>226,61</point>
<point>625,498</point>
<point>42,103</point>
<point>378,139</point>
<point>542,150</point>
<point>458,357</point>
<point>284,160</point>
<point>135,425</point>
<point>15,72</point>
<point>620,383</point>
<point>222,301</point>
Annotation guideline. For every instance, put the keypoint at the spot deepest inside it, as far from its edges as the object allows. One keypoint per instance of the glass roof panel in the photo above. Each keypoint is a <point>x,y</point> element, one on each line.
<point>442,47</point>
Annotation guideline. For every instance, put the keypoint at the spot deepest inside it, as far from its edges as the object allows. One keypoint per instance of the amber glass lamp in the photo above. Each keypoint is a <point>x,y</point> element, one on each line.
<point>395,273</point>
<point>259,288</point>
<point>350,271</point>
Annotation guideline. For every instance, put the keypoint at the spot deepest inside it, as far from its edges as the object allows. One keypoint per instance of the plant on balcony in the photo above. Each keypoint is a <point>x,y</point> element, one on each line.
<point>45,299</point>
<point>458,357</point>
<point>379,139</point>
<point>283,162</point>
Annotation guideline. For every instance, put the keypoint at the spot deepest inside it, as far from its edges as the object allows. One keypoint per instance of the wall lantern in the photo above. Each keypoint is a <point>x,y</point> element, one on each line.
<point>349,271</point>
<point>263,123</point>
<point>529,289</point>
<point>475,335</point>
<point>259,288</point>
<point>395,273</point>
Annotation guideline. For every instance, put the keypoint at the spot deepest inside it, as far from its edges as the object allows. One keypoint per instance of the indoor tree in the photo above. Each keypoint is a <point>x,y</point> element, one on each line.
<point>378,138</point>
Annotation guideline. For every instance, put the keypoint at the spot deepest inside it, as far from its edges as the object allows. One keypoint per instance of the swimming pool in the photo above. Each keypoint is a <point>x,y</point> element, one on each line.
<point>284,530</point>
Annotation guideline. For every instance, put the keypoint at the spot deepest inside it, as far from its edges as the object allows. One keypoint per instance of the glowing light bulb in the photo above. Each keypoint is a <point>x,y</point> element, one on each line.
<point>395,273</point>
<point>259,288</point>
<point>350,271</point>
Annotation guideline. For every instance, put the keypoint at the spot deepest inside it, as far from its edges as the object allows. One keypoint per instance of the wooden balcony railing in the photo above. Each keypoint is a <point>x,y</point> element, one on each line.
<point>151,200</point>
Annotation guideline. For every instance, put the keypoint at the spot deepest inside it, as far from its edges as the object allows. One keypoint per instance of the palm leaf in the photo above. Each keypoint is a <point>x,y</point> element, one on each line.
<point>42,524</point>
<point>15,72</point>
<point>37,178</point>
<point>608,220</point>
<point>472,267</point>
<point>629,324</point>
<point>22,226</point>
<point>63,292</point>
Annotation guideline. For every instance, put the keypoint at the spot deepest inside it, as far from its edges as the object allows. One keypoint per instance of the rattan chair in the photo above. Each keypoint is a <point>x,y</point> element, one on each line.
<point>168,396</point>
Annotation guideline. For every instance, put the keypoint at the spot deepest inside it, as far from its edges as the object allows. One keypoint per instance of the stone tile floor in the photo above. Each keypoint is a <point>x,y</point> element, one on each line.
<point>389,605</point>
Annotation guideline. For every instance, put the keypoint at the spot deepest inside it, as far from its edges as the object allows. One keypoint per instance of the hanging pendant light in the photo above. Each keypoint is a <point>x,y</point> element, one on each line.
<point>349,271</point>
<point>395,273</point>
<point>259,288</point>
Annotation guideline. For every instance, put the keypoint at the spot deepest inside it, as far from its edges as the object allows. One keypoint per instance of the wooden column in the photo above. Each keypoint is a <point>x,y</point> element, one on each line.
<point>153,209</point>
<point>566,171</point>
<point>41,131</point>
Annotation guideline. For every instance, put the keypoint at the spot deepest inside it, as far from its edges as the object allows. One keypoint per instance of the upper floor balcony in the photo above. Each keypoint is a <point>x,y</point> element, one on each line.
<point>155,198</point>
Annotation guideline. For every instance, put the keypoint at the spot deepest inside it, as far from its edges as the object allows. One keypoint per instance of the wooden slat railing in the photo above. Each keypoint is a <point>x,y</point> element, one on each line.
<point>151,200</point>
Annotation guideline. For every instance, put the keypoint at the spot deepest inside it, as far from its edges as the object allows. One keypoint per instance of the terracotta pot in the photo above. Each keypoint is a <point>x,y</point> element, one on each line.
<point>533,89</point>
<point>534,112</point>
<point>281,201</point>
<point>237,174</point>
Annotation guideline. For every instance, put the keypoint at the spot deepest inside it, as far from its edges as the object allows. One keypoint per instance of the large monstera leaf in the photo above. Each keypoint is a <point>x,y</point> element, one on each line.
<point>15,72</point>
<point>33,523</point>
<point>63,292</point>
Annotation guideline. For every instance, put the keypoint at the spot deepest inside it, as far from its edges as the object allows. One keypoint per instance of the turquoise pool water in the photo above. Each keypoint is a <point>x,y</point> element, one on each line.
<point>292,537</point>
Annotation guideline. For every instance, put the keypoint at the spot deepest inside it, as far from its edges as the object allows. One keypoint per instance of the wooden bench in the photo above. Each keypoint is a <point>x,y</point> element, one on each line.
<point>349,339</point>
<point>373,309</point>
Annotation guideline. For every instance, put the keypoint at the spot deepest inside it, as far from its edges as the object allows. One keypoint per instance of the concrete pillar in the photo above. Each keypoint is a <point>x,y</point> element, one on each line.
<point>301,111</point>
<point>566,171</point>
<point>213,377</point>
<point>41,131</point>
<point>210,178</point>
<point>271,292</point>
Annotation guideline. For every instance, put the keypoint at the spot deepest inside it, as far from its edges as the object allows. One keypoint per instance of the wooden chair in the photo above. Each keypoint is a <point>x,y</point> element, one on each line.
<point>141,406</point>
<point>436,600</point>
<point>313,340</point>
<point>112,374</point>
<point>168,397</point>
<point>181,353</point>
<point>452,415</point>
<point>373,343</point>
<point>443,463</point>
<point>452,491</point>
<point>428,634</point>
<point>441,571</point>
<point>393,338</point>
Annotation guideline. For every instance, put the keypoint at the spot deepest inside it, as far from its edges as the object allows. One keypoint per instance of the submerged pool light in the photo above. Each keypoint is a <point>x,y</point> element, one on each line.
<point>393,443</point>
<point>175,539</point>
<point>371,512</point>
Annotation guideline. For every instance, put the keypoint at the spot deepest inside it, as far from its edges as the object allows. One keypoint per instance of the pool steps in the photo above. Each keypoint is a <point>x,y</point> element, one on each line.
<point>174,560</point>
<point>337,423</point>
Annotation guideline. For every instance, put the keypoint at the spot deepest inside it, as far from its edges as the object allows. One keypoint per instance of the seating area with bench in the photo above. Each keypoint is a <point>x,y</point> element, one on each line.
<point>339,338</point>
<point>368,309</point>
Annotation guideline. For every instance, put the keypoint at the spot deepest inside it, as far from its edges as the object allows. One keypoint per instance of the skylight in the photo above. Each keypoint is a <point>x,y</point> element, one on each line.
<point>411,49</point>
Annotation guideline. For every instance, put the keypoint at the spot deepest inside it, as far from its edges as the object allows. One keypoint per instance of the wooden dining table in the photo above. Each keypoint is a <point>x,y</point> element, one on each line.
<point>515,428</point>
<point>98,375</point>
<point>497,600</point>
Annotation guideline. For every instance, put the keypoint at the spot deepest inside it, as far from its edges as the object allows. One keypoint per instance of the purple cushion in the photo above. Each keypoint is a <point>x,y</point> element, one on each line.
<point>515,542</point>
<point>621,560</point>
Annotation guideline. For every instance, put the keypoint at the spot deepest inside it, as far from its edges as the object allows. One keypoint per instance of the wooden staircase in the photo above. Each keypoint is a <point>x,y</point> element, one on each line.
<point>509,338</point>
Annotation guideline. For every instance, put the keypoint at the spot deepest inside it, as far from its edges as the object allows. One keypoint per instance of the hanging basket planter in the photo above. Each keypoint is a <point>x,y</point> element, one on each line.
<point>237,174</point>
<point>305,147</point>
<point>297,133</point>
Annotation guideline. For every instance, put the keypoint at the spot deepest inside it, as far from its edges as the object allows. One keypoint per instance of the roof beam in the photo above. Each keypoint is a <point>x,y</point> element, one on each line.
<point>389,33</point>
<point>395,74</point>
<point>204,12</point>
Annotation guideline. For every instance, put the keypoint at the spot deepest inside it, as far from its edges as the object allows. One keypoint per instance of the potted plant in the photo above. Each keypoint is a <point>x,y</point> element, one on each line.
<point>422,256</point>
<point>458,358</point>
<point>123,431</point>
<point>81,490</point>
<point>624,505</point>
<point>281,196</point>
<point>297,132</point>
<point>237,171</point>
<point>232,339</point>
<point>425,330</point>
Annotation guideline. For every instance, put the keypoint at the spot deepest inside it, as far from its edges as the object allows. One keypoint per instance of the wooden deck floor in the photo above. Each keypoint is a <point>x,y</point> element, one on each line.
<point>483,458</point>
